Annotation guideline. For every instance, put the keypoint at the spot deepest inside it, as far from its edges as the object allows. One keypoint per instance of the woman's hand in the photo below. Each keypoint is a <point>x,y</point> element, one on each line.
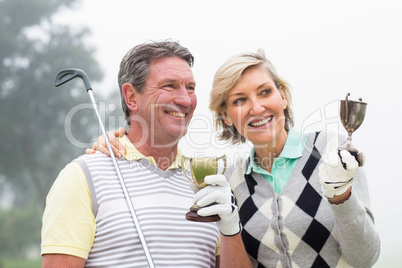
<point>101,146</point>
<point>218,193</point>
<point>336,174</point>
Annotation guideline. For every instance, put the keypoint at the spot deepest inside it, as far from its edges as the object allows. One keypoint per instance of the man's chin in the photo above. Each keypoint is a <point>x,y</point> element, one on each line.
<point>170,137</point>
<point>178,133</point>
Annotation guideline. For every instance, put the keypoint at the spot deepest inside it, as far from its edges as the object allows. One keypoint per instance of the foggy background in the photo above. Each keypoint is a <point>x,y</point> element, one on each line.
<point>323,49</point>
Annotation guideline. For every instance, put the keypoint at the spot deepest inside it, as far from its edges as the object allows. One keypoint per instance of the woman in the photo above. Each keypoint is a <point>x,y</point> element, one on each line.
<point>300,202</point>
<point>298,205</point>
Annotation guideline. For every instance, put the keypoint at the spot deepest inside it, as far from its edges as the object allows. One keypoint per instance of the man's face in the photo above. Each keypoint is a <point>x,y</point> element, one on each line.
<point>168,101</point>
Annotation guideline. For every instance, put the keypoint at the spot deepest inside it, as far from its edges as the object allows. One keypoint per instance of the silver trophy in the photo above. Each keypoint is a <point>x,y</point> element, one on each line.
<point>352,115</point>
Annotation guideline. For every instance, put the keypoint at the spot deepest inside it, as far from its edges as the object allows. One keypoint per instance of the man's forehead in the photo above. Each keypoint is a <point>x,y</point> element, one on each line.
<point>171,60</point>
<point>171,68</point>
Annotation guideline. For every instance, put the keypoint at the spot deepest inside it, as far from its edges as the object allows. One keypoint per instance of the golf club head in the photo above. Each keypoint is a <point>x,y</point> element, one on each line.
<point>67,75</point>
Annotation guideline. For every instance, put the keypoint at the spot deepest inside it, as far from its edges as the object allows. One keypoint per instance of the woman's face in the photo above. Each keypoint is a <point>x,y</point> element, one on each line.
<point>256,108</point>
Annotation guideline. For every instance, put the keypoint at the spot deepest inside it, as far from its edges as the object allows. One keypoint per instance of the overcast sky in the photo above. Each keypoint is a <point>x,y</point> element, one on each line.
<point>323,48</point>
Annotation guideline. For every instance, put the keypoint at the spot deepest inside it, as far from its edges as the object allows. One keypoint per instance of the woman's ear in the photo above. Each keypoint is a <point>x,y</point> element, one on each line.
<point>130,96</point>
<point>283,96</point>
<point>226,119</point>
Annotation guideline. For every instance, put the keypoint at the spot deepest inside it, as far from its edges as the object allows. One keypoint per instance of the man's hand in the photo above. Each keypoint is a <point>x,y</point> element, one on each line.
<point>218,191</point>
<point>117,147</point>
<point>337,172</point>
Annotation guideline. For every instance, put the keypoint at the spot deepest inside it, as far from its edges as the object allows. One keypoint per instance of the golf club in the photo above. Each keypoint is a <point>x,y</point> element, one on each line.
<point>67,75</point>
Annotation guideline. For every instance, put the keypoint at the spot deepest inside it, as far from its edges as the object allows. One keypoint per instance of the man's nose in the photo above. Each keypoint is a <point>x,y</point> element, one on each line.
<point>182,97</point>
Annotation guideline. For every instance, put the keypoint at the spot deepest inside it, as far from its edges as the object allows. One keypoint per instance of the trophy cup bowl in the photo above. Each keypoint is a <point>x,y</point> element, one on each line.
<point>352,114</point>
<point>200,167</point>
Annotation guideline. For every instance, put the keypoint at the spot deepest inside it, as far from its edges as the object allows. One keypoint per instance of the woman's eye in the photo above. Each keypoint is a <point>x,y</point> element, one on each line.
<point>265,91</point>
<point>238,101</point>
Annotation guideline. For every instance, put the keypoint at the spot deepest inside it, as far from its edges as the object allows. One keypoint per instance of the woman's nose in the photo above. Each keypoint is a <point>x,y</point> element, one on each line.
<point>256,107</point>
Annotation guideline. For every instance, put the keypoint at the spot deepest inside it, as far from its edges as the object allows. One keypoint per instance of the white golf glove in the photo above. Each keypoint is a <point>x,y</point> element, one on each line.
<point>218,191</point>
<point>337,172</point>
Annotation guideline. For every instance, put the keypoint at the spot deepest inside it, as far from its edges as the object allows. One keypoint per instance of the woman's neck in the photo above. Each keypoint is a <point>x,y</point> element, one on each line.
<point>266,154</point>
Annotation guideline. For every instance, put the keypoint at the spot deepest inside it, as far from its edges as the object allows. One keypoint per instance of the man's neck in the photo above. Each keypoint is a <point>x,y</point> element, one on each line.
<point>164,155</point>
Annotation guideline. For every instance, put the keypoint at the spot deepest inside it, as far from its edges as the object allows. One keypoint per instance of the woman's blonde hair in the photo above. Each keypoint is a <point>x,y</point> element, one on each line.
<point>228,75</point>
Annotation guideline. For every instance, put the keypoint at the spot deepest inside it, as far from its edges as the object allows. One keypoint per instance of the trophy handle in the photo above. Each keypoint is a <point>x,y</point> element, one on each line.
<point>185,174</point>
<point>223,157</point>
<point>346,107</point>
<point>189,167</point>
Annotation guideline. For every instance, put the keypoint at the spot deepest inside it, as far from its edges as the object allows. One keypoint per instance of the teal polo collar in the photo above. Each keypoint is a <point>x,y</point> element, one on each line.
<point>293,149</point>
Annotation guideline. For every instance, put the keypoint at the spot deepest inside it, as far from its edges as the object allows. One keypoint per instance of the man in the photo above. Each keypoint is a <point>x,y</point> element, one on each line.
<point>86,221</point>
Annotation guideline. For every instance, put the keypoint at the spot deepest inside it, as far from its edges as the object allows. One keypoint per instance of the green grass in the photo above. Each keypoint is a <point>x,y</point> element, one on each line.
<point>7,263</point>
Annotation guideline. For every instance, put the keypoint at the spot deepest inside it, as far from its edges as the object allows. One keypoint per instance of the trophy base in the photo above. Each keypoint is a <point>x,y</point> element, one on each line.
<point>193,216</point>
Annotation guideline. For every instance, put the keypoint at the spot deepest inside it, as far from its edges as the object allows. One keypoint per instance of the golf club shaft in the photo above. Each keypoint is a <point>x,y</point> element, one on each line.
<point>123,186</point>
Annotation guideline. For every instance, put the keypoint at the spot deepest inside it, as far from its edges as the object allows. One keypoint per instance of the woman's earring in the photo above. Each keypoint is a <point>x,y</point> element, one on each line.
<point>229,124</point>
<point>227,121</point>
<point>230,129</point>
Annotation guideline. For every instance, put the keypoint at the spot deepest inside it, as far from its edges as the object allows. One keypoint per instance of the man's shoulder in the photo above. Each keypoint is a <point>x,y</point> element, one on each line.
<point>96,160</point>
<point>96,157</point>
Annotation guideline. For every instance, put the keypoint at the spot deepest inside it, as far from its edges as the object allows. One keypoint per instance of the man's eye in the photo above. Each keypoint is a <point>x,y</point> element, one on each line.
<point>190,88</point>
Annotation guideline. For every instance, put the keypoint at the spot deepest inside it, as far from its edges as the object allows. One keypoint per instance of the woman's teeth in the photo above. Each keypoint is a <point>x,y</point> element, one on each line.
<point>261,122</point>
<point>177,114</point>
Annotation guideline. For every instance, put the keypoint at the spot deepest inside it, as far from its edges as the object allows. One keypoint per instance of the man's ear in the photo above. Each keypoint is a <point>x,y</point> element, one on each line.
<point>130,96</point>
<point>226,119</point>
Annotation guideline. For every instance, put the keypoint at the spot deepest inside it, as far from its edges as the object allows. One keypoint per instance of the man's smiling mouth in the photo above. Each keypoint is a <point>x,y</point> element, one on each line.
<point>177,114</point>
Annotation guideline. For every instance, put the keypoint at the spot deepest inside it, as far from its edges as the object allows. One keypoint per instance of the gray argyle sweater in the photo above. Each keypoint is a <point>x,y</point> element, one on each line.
<point>299,227</point>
